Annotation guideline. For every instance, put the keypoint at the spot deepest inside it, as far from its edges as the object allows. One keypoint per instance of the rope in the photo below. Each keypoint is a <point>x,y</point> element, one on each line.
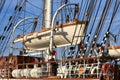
<point>99,26</point>
<point>9,29</point>
<point>113,16</point>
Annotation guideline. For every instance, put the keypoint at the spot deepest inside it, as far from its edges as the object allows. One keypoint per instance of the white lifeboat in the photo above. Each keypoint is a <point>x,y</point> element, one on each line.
<point>114,51</point>
<point>64,35</point>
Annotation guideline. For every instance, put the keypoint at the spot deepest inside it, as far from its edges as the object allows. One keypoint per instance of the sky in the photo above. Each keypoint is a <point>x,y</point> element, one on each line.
<point>29,9</point>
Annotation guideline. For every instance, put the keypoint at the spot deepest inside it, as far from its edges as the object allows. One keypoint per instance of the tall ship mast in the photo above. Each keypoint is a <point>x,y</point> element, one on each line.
<point>66,39</point>
<point>47,13</point>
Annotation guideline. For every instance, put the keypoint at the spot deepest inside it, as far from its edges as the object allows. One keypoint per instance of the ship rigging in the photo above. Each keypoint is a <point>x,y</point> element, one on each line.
<point>61,40</point>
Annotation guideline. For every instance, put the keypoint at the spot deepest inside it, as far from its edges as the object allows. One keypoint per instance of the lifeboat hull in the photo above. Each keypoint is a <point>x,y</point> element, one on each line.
<point>114,51</point>
<point>68,34</point>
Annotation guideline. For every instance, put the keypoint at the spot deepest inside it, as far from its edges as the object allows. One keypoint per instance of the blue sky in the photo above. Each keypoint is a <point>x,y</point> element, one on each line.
<point>34,8</point>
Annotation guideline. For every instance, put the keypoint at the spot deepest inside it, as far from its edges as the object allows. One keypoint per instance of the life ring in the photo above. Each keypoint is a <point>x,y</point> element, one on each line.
<point>107,68</point>
<point>81,71</point>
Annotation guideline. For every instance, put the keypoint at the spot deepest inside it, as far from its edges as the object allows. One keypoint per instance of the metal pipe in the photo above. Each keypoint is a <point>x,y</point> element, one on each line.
<point>12,36</point>
<point>52,27</point>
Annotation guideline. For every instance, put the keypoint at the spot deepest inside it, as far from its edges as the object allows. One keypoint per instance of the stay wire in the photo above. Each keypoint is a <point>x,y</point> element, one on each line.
<point>104,12</point>
<point>103,21</point>
<point>34,5</point>
<point>5,13</point>
<point>113,16</point>
<point>94,21</point>
<point>99,26</point>
<point>10,30</point>
<point>91,11</point>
